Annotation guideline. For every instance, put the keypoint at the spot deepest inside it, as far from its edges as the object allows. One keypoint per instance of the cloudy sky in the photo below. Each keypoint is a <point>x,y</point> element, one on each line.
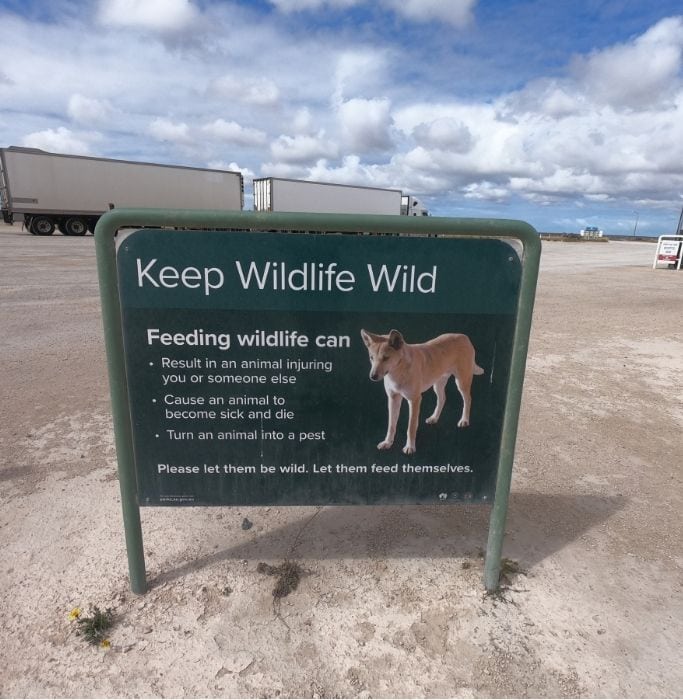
<point>562,113</point>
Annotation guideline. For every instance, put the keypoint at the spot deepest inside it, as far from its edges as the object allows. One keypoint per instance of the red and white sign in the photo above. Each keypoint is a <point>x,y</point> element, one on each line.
<point>669,251</point>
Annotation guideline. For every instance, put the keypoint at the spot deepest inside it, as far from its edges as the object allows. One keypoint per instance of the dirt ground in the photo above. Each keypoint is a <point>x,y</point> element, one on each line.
<point>391,600</point>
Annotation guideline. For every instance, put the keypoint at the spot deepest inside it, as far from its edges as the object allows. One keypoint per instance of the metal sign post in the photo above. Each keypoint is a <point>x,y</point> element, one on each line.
<point>246,358</point>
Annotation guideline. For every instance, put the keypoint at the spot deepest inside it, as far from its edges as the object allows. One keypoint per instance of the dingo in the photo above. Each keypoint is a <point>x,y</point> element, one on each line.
<point>409,370</point>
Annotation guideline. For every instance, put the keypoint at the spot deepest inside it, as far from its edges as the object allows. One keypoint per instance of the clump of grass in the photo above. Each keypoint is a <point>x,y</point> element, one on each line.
<point>510,566</point>
<point>508,569</point>
<point>93,628</point>
<point>288,577</point>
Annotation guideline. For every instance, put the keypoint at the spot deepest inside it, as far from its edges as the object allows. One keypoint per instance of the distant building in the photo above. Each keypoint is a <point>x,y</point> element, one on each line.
<point>591,232</point>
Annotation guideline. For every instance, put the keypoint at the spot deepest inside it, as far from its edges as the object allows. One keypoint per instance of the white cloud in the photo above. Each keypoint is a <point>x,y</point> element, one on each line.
<point>60,140</point>
<point>561,102</point>
<point>232,132</point>
<point>247,174</point>
<point>154,15</point>
<point>457,13</point>
<point>553,98</point>
<point>419,113</point>
<point>305,5</point>
<point>254,91</point>
<point>366,124</point>
<point>486,191</point>
<point>88,110</point>
<point>302,149</point>
<point>351,172</point>
<point>303,122</point>
<point>605,129</point>
<point>359,71</point>
<point>166,130</point>
<point>636,73</point>
<point>449,134</point>
<point>270,169</point>
<point>555,139</point>
<point>496,146</point>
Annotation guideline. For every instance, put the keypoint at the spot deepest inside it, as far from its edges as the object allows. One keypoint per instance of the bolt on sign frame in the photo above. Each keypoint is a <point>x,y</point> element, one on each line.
<point>209,233</point>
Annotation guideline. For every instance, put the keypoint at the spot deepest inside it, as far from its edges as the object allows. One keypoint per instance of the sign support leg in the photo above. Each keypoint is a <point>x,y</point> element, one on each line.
<point>113,334</point>
<point>494,548</point>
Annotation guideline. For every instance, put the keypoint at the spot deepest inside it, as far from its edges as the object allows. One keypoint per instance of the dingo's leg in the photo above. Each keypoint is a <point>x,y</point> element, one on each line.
<point>413,418</point>
<point>464,385</point>
<point>440,391</point>
<point>394,405</point>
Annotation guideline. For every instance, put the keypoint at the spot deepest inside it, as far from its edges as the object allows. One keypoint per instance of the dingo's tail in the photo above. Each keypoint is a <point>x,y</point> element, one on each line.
<point>477,369</point>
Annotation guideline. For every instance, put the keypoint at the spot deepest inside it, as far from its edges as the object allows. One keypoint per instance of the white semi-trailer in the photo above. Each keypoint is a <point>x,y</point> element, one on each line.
<point>284,195</point>
<point>71,192</point>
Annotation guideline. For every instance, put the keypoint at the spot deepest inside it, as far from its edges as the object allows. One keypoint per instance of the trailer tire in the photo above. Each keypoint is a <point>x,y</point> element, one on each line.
<point>42,226</point>
<point>60,228</point>
<point>75,226</point>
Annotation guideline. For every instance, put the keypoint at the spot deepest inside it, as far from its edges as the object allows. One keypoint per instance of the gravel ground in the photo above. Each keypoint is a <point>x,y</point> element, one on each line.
<point>390,602</point>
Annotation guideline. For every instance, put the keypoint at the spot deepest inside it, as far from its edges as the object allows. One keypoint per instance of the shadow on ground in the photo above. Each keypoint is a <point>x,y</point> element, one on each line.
<point>538,525</point>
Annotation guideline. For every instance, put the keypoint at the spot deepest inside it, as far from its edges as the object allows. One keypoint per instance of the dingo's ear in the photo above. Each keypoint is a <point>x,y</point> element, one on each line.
<point>395,339</point>
<point>367,337</point>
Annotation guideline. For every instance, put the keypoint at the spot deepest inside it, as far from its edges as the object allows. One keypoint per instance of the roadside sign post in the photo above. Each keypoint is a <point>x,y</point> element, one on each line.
<point>242,373</point>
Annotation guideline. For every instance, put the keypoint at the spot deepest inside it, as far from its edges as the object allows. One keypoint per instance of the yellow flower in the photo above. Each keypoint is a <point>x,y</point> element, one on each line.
<point>105,644</point>
<point>75,614</point>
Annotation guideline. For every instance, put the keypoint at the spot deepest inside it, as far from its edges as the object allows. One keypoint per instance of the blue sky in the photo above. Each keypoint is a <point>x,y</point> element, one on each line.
<point>564,113</point>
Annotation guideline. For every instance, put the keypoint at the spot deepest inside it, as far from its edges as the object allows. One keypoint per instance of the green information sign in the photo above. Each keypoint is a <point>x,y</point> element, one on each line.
<point>275,359</point>
<point>249,372</point>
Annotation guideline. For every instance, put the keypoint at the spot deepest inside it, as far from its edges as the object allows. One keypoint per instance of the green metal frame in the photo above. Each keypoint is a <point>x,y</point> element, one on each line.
<point>112,221</point>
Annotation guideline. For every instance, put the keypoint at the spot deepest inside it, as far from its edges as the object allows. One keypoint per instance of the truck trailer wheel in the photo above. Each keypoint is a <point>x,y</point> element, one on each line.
<point>42,226</point>
<point>75,226</point>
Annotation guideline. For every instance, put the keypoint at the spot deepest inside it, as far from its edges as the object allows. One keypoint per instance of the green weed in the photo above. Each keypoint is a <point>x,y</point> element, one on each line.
<point>93,628</point>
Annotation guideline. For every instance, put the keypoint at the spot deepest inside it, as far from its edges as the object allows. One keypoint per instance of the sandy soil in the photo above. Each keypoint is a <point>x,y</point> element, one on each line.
<point>391,600</point>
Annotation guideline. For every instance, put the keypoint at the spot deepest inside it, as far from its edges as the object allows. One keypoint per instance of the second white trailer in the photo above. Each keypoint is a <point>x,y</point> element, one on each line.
<point>283,195</point>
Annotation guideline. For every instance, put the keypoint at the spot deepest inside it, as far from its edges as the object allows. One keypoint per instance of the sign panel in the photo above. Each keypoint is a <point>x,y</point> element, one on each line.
<point>270,368</point>
<point>669,251</point>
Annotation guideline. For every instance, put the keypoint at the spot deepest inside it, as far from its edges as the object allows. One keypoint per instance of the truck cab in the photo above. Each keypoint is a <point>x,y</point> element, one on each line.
<point>411,206</point>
